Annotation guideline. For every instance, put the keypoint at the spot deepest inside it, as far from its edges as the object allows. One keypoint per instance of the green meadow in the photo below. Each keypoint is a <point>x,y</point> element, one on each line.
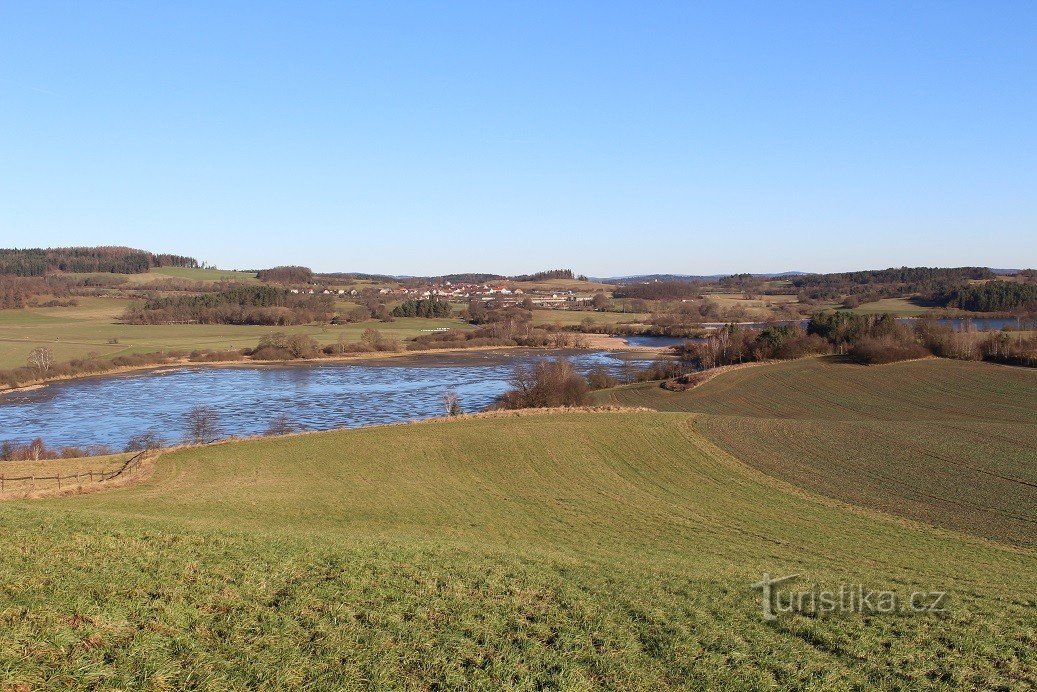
<point>576,550</point>
<point>93,327</point>
<point>547,317</point>
<point>901,307</point>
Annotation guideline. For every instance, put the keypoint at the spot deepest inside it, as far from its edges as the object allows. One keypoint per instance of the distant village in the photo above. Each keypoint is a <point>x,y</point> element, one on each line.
<point>462,291</point>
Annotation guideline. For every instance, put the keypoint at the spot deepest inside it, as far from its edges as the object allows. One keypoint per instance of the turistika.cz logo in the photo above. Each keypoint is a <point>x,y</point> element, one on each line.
<point>848,598</point>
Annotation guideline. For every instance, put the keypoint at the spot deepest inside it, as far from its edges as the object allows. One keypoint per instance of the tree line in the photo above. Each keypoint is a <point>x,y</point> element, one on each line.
<point>422,308</point>
<point>660,290</point>
<point>993,296</point>
<point>256,305</point>
<point>875,284</point>
<point>115,260</point>
<point>550,274</point>
<point>865,339</point>
<point>893,275</point>
<point>286,275</point>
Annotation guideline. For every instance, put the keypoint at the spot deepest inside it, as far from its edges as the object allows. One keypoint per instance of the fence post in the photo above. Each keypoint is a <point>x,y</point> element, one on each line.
<point>33,483</point>
<point>59,480</point>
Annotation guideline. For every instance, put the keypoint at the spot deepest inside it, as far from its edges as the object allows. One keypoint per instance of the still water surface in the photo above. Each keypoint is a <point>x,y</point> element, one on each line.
<point>110,410</point>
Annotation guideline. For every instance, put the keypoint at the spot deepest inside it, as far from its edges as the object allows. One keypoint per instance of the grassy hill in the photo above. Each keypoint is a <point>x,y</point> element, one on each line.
<point>947,442</point>
<point>579,550</point>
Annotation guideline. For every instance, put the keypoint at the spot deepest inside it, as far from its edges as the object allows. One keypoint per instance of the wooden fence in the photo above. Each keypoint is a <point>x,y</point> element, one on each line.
<point>72,480</point>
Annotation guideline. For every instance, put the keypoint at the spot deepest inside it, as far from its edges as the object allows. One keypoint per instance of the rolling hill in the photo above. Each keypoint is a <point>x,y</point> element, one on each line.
<point>942,441</point>
<point>579,550</point>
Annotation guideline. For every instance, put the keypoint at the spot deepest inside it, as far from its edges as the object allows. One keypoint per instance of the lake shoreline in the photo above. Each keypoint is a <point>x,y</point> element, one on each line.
<point>601,342</point>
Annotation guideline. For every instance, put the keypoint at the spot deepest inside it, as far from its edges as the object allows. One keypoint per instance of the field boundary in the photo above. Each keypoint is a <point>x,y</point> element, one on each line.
<point>700,378</point>
<point>80,481</point>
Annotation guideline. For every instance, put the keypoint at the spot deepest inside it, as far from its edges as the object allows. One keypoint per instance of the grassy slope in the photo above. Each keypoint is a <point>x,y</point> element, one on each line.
<point>79,331</point>
<point>947,442</point>
<point>582,550</point>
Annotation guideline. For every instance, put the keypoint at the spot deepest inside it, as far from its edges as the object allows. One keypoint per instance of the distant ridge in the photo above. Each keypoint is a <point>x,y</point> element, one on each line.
<point>641,278</point>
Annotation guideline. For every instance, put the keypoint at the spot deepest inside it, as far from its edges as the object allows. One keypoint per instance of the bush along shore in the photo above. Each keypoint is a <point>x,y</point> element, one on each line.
<point>863,339</point>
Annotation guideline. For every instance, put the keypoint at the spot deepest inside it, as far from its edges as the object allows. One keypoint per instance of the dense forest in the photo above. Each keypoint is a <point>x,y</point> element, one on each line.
<point>993,296</point>
<point>422,308</point>
<point>245,305</point>
<point>659,290</point>
<point>546,275</point>
<point>903,275</point>
<point>286,275</point>
<point>468,278</point>
<point>115,260</point>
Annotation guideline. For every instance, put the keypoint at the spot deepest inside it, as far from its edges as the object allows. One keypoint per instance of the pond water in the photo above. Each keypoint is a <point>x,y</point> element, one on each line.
<point>110,410</point>
<point>987,324</point>
<point>645,340</point>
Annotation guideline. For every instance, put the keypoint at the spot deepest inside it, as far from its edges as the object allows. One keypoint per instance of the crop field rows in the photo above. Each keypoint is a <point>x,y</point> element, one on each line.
<point>950,443</point>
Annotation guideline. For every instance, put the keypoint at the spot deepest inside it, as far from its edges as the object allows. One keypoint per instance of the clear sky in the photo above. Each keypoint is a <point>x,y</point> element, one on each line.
<point>612,138</point>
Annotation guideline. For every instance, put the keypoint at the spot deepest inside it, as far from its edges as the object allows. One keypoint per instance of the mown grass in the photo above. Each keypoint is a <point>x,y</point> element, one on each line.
<point>547,317</point>
<point>947,442</point>
<point>903,307</point>
<point>91,327</point>
<point>196,274</point>
<point>589,550</point>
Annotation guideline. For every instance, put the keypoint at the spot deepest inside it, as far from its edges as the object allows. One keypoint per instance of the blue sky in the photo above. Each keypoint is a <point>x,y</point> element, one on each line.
<point>612,138</point>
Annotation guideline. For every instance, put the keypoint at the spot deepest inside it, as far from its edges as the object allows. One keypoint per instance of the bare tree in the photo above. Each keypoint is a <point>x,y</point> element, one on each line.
<point>280,425</point>
<point>145,441</point>
<point>452,403</point>
<point>36,449</point>
<point>203,424</point>
<point>41,360</point>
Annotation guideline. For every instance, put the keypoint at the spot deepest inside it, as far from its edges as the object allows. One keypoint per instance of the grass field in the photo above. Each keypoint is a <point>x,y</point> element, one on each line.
<point>901,307</point>
<point>545,316</point>
<point>590,550</point>
<point>947,442</point>
<point>162,273</point>
<point>762,308</point>
<point>77,332</point>
<point>202,274</point>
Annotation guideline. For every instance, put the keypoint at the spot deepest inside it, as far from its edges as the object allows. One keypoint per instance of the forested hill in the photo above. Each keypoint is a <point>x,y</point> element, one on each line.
<point>115,260</point>
<point>901,275</point>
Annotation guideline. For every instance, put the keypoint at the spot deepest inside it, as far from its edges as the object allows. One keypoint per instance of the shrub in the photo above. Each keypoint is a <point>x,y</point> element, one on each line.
<point>281,346</point>
<point>548,383</point>
<point>600,378</point>
<point>215,356</point>
<point>875,350</point>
